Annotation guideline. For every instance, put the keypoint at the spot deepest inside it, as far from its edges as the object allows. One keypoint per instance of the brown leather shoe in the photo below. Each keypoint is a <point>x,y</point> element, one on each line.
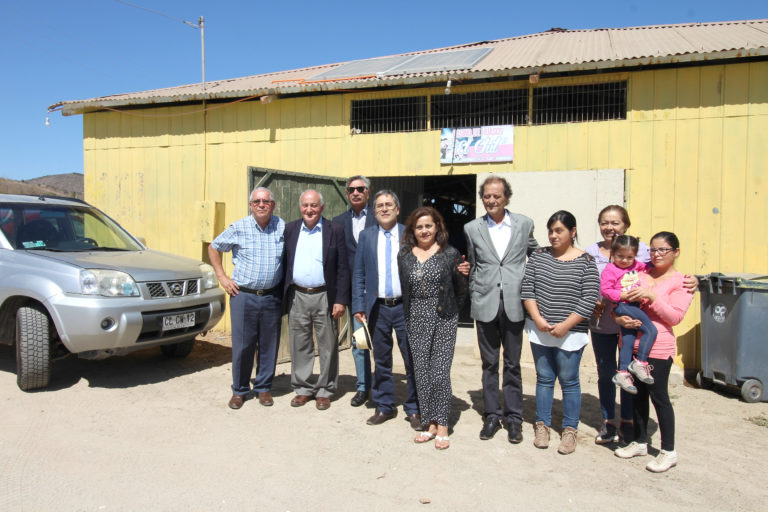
<point>379,417</point>
<point>322,403</point>
<point>415,421</point>
<point>236,402</point>
<point>265,398</point>
<point>300,400</point>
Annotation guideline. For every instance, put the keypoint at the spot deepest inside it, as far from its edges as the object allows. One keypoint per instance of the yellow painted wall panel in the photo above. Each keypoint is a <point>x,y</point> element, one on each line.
<point>663,174</point>
<point>709,195</point>
<point>556,140</point>
<point>639,177</point>
<point>302,114</point>
<point>756,197</point>
<point>577,145</point>
<point>758,88</point>
<point>665,94</point>
<point>688,101</point>
<point>685,189</point>
<point>733,188</point>
<point>640,96</point>
<point>712,78</point>
<point>736,90</point>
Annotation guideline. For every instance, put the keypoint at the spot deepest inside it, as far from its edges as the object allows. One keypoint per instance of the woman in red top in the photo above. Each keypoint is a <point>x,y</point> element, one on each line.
<point>666,302</point>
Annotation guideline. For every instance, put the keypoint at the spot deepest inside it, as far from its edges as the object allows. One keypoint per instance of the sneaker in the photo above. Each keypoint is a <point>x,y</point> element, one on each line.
<point>663,461</point>
<point>608,434</point>
<point>541,435</point>
<point>633,449</point>
<point>641,370</point>
<point>624,380</point>
<point>567,441</point>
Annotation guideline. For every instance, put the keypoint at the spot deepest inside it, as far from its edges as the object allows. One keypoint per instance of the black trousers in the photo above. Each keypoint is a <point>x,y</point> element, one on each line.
<point>492,337</point>
<point>658,393</point>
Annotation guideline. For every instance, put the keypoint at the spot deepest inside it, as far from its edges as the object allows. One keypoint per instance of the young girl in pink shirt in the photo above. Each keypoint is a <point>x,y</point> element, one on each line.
<point>619,277</point>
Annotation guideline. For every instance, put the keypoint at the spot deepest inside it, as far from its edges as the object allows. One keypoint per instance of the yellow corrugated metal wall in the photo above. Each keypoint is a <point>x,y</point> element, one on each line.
<point>695,147</point>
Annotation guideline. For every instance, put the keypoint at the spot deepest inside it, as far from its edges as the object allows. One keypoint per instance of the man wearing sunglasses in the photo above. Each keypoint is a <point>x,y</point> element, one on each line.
<point>358,217</point>
<point>255,294</point>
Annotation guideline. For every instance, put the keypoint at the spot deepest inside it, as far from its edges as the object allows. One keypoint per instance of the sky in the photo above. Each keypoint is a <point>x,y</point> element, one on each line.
<point>53,50</point>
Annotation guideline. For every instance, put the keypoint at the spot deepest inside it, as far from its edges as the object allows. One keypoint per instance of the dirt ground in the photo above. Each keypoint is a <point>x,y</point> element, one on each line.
<point>145,433</point>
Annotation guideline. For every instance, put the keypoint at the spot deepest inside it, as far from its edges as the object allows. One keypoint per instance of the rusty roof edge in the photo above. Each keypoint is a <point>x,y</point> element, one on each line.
<point>76,107</point>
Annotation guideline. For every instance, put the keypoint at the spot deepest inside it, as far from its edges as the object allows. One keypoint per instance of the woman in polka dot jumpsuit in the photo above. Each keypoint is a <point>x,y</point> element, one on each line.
<point>434,287</point>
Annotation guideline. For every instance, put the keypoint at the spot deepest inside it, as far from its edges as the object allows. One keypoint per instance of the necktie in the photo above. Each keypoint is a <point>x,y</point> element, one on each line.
<point>388,262</point>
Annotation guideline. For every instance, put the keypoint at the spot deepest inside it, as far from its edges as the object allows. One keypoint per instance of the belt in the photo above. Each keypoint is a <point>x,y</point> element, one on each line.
<point>317,289</point>
<point>387,301</point>
<point>267,291</point>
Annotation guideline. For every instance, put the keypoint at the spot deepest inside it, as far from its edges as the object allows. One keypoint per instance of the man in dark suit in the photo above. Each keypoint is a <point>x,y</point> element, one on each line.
<point>377,298</point>
<point>317,291</point>
<point>498,244</point>
<point>358,217</point>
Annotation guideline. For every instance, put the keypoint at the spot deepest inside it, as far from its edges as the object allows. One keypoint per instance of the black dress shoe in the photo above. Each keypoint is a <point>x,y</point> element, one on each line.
<point>490,427</point>
<point>379,417</point>
<point>415,421</point>
<point>359,399</point>
<point>515,432</point>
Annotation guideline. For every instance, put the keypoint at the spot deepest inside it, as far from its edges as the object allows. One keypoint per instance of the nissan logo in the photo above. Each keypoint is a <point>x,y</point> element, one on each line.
<point>176,288</point>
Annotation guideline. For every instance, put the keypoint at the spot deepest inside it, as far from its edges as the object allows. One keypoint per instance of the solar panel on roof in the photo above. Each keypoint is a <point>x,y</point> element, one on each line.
<point>399,65</point>
<point>443,61</point>
<point>357,68</point>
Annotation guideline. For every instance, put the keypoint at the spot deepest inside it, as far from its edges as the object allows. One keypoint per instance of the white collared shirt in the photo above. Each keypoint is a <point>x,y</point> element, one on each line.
<point>500,233</point>
<point>308,262</point>
<point>358,222</point>
<point>380,247</point>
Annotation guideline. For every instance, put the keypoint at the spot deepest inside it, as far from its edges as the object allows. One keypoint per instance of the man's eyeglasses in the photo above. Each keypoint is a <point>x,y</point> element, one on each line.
<point>260,201</point>
<point>662,251</point>
<point>385,206</point>
<point>351,190</point>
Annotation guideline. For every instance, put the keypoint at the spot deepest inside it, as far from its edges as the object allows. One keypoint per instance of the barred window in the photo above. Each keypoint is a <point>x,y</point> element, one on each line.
<point>389,115</point>
<point>486,108</point>
<point>578,103</point>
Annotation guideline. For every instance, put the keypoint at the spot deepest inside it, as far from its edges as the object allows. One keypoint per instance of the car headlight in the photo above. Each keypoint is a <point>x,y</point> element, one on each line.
<point>109,283</point>
<point>209,276</point>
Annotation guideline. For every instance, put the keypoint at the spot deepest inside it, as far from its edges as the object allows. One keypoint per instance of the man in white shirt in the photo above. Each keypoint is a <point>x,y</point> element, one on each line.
<point>358,217</point>
<point>498,244</point>
<point>377,299</point>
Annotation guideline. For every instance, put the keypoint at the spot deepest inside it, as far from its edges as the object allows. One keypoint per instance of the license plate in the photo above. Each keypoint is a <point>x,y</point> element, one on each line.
<point>172,322</point>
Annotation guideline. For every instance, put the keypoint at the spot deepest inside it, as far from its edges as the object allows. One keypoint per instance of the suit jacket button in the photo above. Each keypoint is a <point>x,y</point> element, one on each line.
<point>439,308</point>
<point>442,287</point>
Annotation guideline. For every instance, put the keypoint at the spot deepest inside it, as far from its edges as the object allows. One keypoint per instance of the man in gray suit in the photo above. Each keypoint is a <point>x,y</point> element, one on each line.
<point>498,244</point>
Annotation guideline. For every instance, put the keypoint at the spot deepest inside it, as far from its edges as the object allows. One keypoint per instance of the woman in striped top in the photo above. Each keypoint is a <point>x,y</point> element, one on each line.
<point>560,288</point>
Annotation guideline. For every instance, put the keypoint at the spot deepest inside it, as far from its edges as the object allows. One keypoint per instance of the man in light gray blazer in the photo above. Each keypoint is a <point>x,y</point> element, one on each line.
<point>498,244</point>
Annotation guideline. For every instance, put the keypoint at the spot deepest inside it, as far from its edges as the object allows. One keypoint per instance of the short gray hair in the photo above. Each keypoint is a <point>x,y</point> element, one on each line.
<point>366,181</point>
<point>322,201</point>
<point>386,191</point>
<point>259,189</point>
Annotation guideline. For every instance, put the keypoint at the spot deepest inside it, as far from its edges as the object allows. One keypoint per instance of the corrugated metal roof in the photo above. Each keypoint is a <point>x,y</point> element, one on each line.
<point>551,51</point>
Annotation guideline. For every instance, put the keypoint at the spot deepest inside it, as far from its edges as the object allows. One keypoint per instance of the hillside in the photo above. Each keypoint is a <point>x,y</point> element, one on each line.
<point>69,185</point>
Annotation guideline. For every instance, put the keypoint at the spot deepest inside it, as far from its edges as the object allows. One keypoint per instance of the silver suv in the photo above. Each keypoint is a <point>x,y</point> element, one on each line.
<point>73,281</point>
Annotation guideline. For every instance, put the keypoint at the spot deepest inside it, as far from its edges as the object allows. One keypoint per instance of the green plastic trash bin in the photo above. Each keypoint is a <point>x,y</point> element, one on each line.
<point>734,333</point>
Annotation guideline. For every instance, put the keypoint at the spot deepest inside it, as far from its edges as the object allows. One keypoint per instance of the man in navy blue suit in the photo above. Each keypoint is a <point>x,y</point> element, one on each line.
<point>358,217</point>
<point>377,298</point>
<point>317,293</point>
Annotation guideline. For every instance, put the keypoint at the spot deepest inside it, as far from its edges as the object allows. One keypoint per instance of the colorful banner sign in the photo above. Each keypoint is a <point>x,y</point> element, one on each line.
<point>479,144</point>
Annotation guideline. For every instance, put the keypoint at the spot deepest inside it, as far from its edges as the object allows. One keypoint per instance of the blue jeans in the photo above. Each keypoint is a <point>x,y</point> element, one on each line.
<point>605,346</point>
<point>362,360</point>
<point>628,336</point>
<point>554,363</point>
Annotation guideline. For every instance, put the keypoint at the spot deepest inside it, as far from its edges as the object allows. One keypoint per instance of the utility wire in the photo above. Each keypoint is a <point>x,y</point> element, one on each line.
<point>151,11</point>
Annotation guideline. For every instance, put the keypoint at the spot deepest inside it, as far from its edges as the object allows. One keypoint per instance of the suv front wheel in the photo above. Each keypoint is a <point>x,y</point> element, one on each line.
<point>33,347</point>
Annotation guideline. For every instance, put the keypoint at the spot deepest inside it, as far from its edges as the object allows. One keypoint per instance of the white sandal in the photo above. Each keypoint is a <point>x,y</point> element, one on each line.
<point>424,437</point>
<point>441,438</point>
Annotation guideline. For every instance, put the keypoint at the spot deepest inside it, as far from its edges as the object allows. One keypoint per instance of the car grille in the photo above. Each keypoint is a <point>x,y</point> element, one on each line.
<point>165,289</point>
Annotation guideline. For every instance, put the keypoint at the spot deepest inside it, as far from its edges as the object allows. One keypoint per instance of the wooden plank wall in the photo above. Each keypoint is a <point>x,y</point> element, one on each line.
<point>694,147</point>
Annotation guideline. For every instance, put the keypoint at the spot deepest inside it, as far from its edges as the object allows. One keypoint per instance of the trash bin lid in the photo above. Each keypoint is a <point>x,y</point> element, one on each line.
<point>741,280</point>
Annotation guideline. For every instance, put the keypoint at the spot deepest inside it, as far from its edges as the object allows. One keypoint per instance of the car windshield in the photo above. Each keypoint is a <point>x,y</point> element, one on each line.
<point>62,228</point>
